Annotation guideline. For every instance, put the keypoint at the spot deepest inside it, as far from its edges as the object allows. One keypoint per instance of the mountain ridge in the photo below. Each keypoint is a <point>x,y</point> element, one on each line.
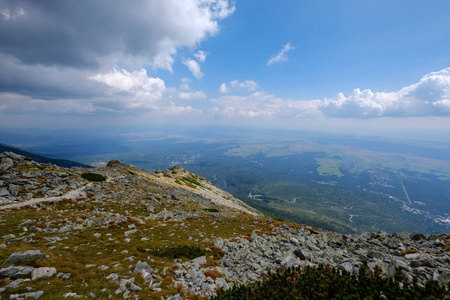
<point>42,159</point>
<point>172,234</point>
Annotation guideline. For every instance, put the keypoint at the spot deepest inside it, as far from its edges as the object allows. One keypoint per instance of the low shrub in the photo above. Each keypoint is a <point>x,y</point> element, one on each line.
<point>185,251</point>
<point>324,282</point>
<point>93,176</point>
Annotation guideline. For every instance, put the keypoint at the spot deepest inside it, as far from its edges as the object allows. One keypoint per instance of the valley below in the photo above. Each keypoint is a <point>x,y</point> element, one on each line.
<point>337,183</point>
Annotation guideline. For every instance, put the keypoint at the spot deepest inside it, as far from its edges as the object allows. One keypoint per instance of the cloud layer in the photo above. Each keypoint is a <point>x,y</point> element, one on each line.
<point>428,97</point>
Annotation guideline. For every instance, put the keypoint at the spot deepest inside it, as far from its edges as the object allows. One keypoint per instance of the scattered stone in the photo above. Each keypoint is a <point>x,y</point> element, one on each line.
<point>128,232</point>
<point>63,275</point>
<point>135,288</point>
<point>8,236</point>
<point>16,283</point>
<point>72,295</point>
<point>113,276</point>
<point>30,295</point>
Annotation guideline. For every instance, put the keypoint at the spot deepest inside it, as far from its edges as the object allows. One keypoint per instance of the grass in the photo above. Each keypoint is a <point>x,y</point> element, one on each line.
<point>329,167</point>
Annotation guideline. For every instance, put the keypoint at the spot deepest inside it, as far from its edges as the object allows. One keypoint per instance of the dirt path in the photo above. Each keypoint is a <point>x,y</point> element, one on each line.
<point>69,195</point>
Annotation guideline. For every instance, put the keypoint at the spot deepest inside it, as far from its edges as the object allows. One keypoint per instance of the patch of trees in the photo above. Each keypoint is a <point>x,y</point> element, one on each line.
<point>325,282</point>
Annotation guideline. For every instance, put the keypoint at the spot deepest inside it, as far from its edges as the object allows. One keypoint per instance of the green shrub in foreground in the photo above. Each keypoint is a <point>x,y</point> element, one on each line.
<point>323,282</point>
<point>93,176</point>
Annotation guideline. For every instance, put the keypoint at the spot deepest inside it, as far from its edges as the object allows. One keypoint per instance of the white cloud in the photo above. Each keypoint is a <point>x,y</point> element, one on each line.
<point>248,84</point>
<point>221,8</point>
<point>185,87</point>
<point>6,14</point>
<point>260,104</point>
<point>184,93</point>
<point>18,104</point>
<point>172,109</point>
<point>136,82</point>
<point>281,57</point>
<point>429,97</point>
<point>193,67</point>
<point>201,56</point>
<point>194,95</point>
<point>223,89</point>
<point>235,84</point>
<point>144,91</point>
<point>424,98</point>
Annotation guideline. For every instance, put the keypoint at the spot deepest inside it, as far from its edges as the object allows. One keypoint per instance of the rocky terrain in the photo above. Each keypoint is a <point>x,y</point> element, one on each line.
<point>170,235</point>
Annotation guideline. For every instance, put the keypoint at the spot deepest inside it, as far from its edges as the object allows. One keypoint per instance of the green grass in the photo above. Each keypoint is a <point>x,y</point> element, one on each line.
<point>329,167</point>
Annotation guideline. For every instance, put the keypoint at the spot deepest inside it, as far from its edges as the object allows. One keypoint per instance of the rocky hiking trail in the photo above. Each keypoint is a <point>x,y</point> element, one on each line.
<point>167,235</point>
<point>73,195</point>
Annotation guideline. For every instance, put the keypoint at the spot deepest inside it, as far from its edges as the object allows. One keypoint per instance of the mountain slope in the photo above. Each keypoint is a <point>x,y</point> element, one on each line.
<point>42,159</point>
<point>172,234</point>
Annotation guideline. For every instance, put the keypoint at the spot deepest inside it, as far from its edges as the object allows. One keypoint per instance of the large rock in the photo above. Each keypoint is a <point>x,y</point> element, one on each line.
<point>42,273</point>
<point>140,267</point>
<point>23,258</point>
<point>6,163</point>
<point>14,272</point>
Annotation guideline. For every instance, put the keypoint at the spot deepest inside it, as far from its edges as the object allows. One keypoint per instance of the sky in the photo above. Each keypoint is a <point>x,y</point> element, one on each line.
<point>338,66</point>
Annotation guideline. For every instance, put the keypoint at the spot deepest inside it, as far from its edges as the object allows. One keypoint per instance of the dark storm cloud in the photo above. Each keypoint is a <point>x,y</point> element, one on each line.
<point>46,82</point>
<point>52,33</point>
<point>50,49</point>
<point>78,33</point>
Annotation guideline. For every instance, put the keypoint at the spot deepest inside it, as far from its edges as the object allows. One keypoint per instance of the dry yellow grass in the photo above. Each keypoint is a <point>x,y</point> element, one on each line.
<point>213,273</point>
<point>408,251</point>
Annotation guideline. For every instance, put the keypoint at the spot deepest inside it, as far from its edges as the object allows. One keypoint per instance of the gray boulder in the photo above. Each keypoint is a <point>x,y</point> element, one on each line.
<point>142,266</point>
<point>13,272</point>
<point>42,273</point>
<point>24,257</point>
<point>6,163</point>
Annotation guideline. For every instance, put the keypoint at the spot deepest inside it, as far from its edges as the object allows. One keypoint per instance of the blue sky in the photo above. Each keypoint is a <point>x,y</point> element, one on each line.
<point>327,65</point>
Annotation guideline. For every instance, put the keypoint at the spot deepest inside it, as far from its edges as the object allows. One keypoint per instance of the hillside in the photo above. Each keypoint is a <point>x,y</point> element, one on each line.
<point>127,233</point>
<point>42,159</point>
